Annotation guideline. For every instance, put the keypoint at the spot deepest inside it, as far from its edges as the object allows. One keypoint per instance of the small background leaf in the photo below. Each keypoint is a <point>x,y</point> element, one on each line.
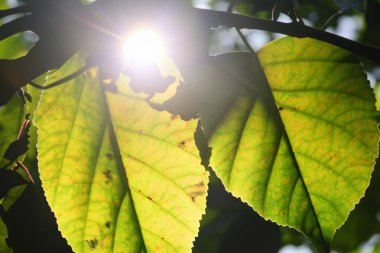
<point>3,235</point>
<point>12,115</point>
<point>11,197</point>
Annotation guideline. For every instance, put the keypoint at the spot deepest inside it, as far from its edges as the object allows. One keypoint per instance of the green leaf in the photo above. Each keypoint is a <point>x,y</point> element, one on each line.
<point>11,197</point>
<point>14,47</point>
<point>377,93</point>
<point>12,116</point>
<point>3,235</point>
<point>119,176</point>
<point>377,248</point>
<point>307,163</point>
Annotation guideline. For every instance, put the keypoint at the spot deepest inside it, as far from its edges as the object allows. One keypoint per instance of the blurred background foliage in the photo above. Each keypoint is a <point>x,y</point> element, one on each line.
<point>27,224</point>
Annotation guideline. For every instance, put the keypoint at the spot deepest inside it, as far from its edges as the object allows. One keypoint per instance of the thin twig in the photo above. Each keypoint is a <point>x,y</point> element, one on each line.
<point>296,12</point>
<point>241,35</point>
<point>330,19</point>
<point>24,168</point>
<point>232,6</point>
<point>245,41</point>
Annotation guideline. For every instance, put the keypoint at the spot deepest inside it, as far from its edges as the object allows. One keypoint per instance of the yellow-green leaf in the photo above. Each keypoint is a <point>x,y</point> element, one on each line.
<point>307,163</point>
<point>119,176</point>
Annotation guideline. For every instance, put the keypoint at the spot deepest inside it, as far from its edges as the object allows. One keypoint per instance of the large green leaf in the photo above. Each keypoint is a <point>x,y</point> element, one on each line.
<point>119,176</point>
<point>305,158</point>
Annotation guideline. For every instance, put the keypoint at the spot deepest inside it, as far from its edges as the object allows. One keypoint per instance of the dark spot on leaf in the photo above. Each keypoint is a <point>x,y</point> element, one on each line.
<point>109,156</point>
<point>151,199</point>
<point>182,144</point>
<point>108,175</point>
<point>92,243</point>
<point>108,224</point>
<point>280,108</point>
<point>163,238</point>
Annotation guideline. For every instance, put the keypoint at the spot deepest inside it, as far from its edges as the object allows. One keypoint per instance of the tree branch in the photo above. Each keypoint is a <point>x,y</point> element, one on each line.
<point>21,24</point>
<point>217,18</point>
<point>12,11</point>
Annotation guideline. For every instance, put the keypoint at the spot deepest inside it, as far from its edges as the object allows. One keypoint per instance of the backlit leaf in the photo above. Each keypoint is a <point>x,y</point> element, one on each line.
<point>306,163</point>
<point>119,176</point>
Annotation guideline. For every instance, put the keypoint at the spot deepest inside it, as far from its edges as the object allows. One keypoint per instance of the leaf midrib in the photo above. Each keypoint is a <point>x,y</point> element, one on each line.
<point>121,170</point>
<point>280,124</point>
<point>92,184</point>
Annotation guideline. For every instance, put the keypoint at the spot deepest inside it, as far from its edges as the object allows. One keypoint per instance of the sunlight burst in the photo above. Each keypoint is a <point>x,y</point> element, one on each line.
<point>144,46</point>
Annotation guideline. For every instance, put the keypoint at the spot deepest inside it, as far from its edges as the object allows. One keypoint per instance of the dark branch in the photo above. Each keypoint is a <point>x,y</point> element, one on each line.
<point>60,81</point>
<point>218,18</point>
<point>15,26</point>
<point>16,10</point>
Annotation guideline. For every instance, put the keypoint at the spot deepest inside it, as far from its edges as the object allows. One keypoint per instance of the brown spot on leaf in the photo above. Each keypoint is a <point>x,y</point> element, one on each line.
<point>92,243</point>
<point>182,144</point>
<point>108,224</point>
<point>109,156</point>
<point>174,117</point>
<point>195,194</point>
<point>200,184</point>
<point>108,175</point>
<point>280,108</point>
